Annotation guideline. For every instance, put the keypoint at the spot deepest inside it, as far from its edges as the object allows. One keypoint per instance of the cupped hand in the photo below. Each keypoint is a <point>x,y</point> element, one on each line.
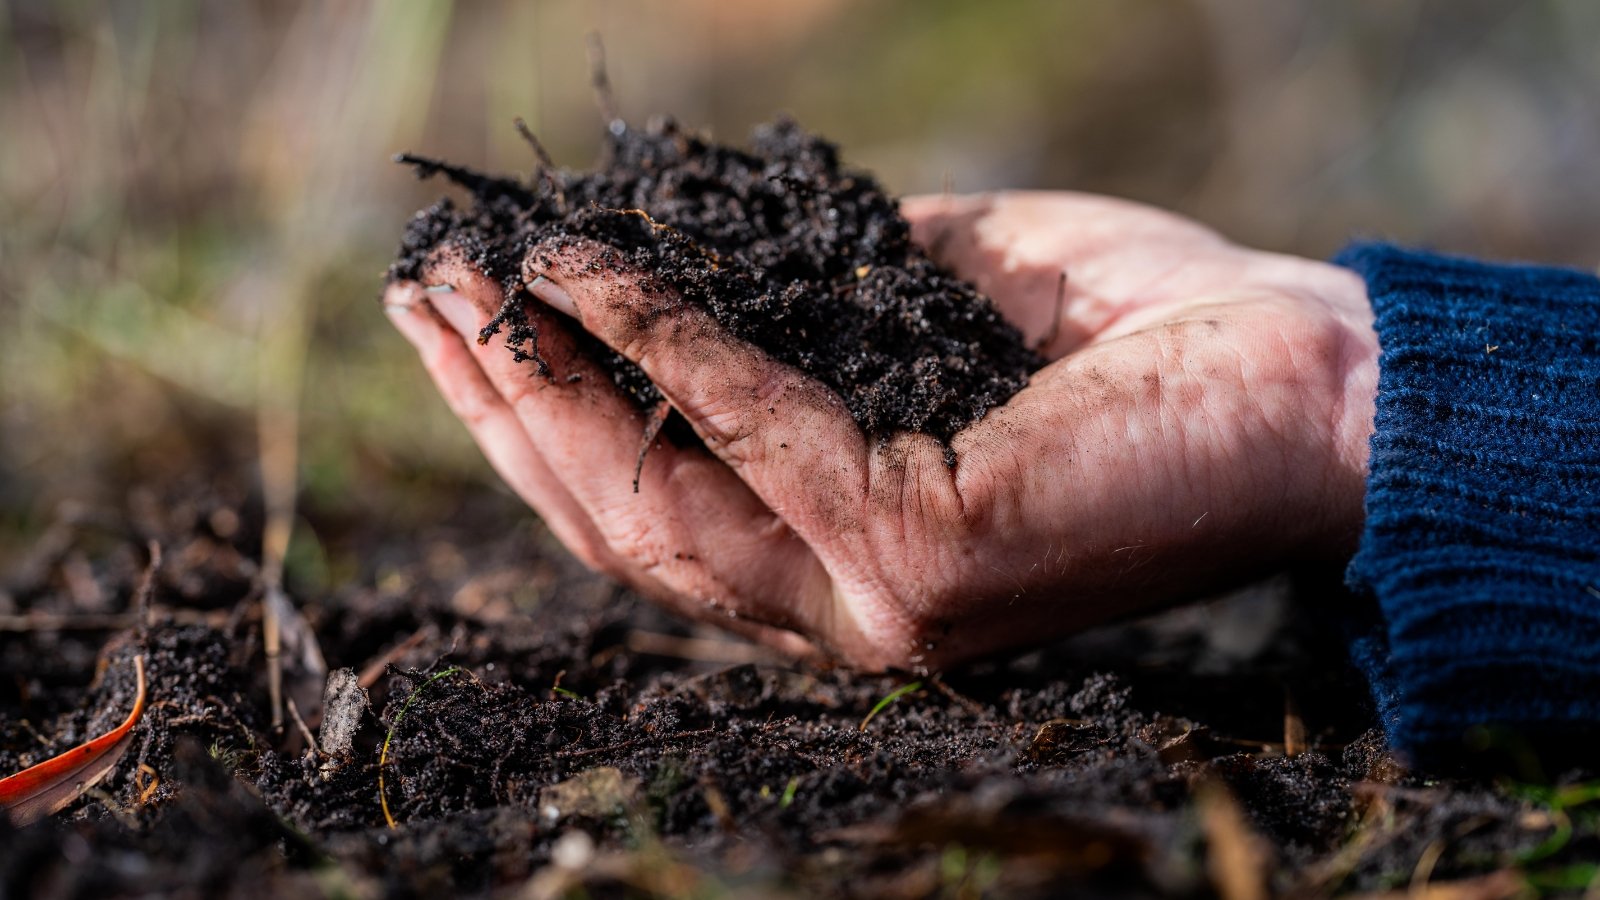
<point>1204,418</point>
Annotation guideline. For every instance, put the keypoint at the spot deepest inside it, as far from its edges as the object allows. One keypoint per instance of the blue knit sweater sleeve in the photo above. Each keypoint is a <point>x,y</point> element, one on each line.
<point>1482,538</point>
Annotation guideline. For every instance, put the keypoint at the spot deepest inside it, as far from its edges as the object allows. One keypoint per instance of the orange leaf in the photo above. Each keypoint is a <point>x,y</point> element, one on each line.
<point>51,785</point>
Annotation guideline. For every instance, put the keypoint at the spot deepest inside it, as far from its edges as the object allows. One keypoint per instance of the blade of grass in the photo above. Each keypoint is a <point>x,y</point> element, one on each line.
<point>383,757</point>
<point>891,697</point>
<point>49,786</point>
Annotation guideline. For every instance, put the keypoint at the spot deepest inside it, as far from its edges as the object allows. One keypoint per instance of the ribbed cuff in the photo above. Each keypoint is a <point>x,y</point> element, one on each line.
<point>1482,537</point>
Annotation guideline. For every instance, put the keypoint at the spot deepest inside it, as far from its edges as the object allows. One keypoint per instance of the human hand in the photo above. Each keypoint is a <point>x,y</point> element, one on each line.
<point>1204,417</point>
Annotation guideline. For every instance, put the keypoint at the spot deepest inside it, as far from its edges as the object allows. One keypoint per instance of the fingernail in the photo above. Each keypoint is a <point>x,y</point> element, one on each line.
<point>456,310</point>
<point>401,296</point>
<point>440,289</point>
<point>553,295</point>
<point>417,327</point>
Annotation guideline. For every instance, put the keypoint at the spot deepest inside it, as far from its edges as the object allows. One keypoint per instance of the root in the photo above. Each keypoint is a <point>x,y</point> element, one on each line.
<point>659,228</point>
<point>520,331</point>
<point>601,82</point>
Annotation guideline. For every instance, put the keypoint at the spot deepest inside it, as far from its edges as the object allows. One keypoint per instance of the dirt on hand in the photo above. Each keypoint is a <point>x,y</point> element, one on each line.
<point>786,248</point>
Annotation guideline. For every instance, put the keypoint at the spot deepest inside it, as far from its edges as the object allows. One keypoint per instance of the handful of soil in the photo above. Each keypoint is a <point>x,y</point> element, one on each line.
<point>805,259</point>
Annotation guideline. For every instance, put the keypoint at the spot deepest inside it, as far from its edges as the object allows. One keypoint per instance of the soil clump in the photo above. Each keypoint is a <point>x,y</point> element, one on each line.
<point>786,248</point>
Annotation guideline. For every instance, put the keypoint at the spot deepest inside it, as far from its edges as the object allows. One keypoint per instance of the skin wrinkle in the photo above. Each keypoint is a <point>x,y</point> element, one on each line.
<point>938,532</point>
<point>1304,377</point>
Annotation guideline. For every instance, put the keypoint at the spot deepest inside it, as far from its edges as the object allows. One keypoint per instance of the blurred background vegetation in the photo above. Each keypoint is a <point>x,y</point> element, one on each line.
<point>197,203</point>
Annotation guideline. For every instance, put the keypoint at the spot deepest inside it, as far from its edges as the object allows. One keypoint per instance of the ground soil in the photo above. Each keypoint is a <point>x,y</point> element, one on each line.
<point>584,741</point>
<point>788,249</point>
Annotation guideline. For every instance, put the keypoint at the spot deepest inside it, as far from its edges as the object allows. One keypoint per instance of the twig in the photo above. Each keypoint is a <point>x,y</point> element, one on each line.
<point>652,429</point>
<point>718,805</point>
<point>374,670</point>
<point>427,167</point>
<point>965,702</point>
<point>1236,858</point>
<point>300,723</point>
<point>1423,873</point>
<point>272,642</point>
<point>36,622</point>
<point>601,82</point>
<point>539,153</point>
<point>146,591</point>
<point>546,170</point>
<point>662,228</point>
<point>1294,727</point>
<point>1055,315</point>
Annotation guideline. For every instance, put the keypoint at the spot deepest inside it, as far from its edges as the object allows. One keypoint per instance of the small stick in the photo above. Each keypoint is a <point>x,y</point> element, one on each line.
<point>652,428</point>
<point>1294,727</point>
<point>539,152</point>
<point>546,169</point>
<point>659,228</point>
<point>601,82</point>
<point>147,588</point>
<point>718,805</point>
<point>36,622</point>
<point>300,723</point>
<point>374,670</point>
<point>967,703</point>
<point>427,167</point>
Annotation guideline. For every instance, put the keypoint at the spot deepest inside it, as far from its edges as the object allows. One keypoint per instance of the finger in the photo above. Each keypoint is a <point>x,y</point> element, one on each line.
<point>1117,257</point>
<point>492,423</point>
<point>500,434</point>
<point>692,525</point>
<point>787,436</point>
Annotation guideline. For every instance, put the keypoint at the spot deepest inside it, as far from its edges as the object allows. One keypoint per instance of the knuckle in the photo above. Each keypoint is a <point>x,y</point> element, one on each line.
<point>471,402</point>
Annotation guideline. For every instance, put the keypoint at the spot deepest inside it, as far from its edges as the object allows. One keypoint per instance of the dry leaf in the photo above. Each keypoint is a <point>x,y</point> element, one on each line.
<point>49,786</point>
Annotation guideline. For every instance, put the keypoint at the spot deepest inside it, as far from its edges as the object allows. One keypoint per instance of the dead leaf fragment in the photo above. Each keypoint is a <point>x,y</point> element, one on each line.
<point>344,702</point>
<point>598,793</point>
<point>1237,859</point>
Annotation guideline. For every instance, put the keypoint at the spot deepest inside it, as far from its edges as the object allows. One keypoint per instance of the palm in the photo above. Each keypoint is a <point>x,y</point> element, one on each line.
<point>1204,415</point>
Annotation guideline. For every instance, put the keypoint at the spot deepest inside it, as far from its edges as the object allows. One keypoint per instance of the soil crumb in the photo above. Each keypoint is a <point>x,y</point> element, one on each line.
<point>785,247</point>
